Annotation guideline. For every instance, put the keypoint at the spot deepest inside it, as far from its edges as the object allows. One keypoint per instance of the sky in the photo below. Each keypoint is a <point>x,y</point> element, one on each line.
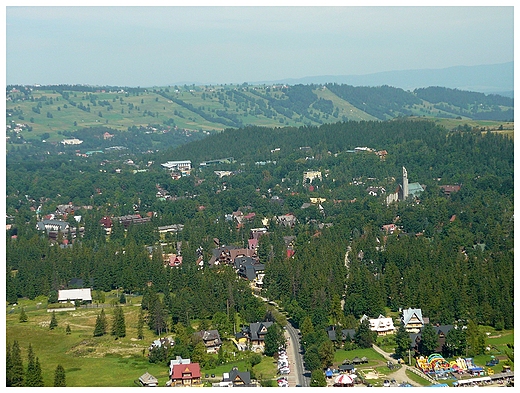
<point>165,45</point>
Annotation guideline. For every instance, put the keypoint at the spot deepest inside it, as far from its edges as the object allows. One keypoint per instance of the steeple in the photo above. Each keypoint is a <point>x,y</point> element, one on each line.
<point>405,183</point>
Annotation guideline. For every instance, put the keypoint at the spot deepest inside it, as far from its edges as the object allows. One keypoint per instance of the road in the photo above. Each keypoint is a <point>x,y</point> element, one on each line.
<point>294,352</point>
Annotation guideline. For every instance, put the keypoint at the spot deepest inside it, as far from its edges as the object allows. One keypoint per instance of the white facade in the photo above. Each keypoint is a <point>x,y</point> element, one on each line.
<point>381,325</point>
<point>177,165</point>
<point>73,141</point>
<point>83,294</point>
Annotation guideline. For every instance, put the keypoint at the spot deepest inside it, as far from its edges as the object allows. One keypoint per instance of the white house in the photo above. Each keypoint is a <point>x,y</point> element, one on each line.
<point>71,295</point>
<point>381,325</point>
<point>73,141</point>
<point>413,320</point>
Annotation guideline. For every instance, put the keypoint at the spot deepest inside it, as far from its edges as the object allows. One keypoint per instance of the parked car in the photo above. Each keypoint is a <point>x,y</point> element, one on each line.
<point>386,383</point>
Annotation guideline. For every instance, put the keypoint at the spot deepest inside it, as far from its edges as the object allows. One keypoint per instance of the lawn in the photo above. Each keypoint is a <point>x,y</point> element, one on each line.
<point>374,358</point>
<point>416,378</point>
<point>97,361</point>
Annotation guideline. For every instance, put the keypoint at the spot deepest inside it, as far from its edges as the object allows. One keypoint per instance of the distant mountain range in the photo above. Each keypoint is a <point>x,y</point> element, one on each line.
<point>489,79</point>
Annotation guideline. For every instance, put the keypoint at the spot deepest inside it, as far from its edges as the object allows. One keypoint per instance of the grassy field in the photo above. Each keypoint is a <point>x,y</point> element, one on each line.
<point>95,361</point>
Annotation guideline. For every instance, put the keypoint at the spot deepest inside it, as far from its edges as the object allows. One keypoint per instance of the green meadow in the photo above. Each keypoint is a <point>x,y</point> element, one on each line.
<point>97,361</point>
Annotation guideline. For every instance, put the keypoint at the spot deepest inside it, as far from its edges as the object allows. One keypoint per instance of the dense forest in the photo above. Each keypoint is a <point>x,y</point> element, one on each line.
<point>451,255</point>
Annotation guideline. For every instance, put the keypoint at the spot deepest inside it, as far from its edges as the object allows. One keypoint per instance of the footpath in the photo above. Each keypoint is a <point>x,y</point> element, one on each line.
<point>400,375</point>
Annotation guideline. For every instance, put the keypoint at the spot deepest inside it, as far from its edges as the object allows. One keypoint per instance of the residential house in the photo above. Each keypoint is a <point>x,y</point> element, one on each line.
<point>249,268</point>
<point>311,175</point>
<point>287,220</point>
<point>448,189</point>
<point>338,336</point>
<point>237,378</point>
<point>211,339</point>
<point>178,360</point>
<point>185,375</point>
<point>52,225</point>
<point>442,332</point>
<point>148,379</point>
<point>226,255</point>
<point>255,334</point>
<point>389,228</point>
<point>381,154</point>
<point>71,295</point>
<point>256,233</point>
<point>381,325</point>
<point>175,228</point>
<point>166,342</point>
<point>413,320</point>
<point>173,260</point>
<point>73,141</point>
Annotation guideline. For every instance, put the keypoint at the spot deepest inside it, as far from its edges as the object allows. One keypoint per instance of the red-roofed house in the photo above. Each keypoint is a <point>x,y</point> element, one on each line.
<point>174,260</point>
<point>448,189</point>
<point>389,228</point>
<point>185,374</point>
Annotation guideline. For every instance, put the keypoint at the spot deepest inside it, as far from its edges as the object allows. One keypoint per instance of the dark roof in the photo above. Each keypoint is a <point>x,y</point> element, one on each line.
<point>258,327</point>
<point>444,329</point>
<point>332,332</point>
<point>346,367</point>
<point>208,335</point>
<point>239,378</point>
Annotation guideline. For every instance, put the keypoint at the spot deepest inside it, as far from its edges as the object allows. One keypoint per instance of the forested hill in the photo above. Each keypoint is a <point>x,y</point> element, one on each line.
<point>452,254</point>
<point>417,143</point>
<point>46,111</point>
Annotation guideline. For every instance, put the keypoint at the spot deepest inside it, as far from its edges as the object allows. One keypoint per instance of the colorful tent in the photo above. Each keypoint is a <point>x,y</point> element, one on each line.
<point>344,379</point>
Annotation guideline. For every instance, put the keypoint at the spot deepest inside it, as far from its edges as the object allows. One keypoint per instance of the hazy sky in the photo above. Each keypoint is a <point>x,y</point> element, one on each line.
<point>158,46</point>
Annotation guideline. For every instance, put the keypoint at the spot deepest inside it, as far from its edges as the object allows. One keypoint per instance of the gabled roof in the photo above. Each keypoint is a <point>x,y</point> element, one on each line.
<point>186,371</point>
<point>258,328</point>
<point>443,329</point>
<point>238,377</point>
<point>148,379</point>
<point>410,313</point>
<point>208,335</point>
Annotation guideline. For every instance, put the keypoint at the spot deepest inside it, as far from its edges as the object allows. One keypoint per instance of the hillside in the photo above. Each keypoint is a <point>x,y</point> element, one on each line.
<point>51,112</point>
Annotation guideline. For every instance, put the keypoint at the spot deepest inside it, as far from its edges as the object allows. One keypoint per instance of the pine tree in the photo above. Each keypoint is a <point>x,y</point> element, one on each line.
<point>59,376</point>
<point>16,371</point>
<point>8,364</point>
<point>23,315</point>
<point>54,321</point>
<point>34,375</point>
<point>429,341</point>
<point>31,368</point>
<point>39,376</point>
<point>118,326</point>
<point>402,341</point>
<point>274,339</point>
<point>101,324</point>
<point>364,337</point>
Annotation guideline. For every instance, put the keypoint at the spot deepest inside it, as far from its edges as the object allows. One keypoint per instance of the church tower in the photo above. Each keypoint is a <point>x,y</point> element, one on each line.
<point>405,183</point>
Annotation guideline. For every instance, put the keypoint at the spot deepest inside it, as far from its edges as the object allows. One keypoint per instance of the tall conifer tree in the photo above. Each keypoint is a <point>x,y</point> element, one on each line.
<point>59,376</point>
